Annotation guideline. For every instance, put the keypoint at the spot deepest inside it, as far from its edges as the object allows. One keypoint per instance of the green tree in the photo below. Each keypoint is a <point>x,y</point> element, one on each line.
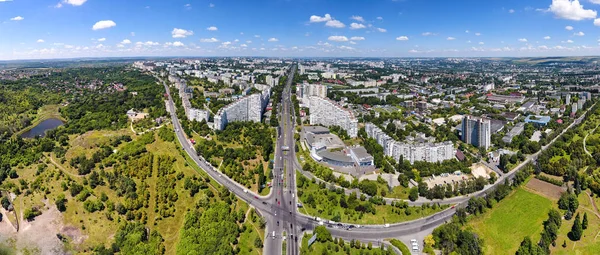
<point>576,229</point>
<point>414,194</point>
<point>61,203</point>
<point>584,223</point>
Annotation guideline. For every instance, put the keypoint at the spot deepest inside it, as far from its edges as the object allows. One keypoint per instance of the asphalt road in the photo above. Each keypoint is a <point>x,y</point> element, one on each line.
<point>279,207</point>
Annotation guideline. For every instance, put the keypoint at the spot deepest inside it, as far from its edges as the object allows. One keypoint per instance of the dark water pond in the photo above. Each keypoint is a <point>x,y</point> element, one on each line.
<point>40,129</point>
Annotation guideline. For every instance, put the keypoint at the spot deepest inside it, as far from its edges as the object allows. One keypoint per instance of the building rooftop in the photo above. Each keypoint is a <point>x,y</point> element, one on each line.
<point>537,119</point>
<point>336,156</point>
<point>316,130</point>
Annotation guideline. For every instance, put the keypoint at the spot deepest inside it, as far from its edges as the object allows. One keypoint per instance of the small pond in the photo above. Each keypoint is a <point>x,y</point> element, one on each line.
<point>40,129</point>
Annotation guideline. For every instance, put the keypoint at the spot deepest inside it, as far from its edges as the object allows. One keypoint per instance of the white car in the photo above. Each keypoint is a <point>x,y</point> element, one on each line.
<point>415,247</point>
<point>413,241</point>
<point>387,225</point>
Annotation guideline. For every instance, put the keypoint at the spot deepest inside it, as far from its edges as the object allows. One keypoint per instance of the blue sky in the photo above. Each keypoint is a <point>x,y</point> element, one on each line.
<point>32,29</point>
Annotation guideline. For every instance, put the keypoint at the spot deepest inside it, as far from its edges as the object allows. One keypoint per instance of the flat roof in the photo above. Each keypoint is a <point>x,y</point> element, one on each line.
<point>316,129</point>
<point>538,119</point>
<point>336,156</point>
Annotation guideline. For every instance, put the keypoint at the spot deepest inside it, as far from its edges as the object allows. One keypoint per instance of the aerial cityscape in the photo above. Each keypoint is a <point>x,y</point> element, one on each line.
<point>299,127</point>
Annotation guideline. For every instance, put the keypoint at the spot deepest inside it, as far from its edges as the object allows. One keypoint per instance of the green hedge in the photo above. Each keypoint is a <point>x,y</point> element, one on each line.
<point>400,245</point>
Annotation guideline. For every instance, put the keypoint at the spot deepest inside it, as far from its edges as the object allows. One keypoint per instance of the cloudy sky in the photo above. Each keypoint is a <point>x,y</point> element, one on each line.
<point>33,29</point>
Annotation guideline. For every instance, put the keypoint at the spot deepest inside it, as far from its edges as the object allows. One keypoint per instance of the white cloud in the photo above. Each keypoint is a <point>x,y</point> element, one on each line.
<point>120,46</point>
<point>149,43</point>
<point>356,26</point>
<point>467,31</point>
<point>248,42</point>
<point>570,9</point>
<point>352,42</point>
<point>357,38</point>
<point>481,43</point>
<point>181,33</point>
<point>427,34</point>
<point>380,18</point>
<point>40,41</point>
<point>579,33</point>
<point>511,11</point>
<point>546,37</point>
<point>18,18</point>
<point>402,38</point>
<point>338,38</point>
<point>103,24</point>
<point>450,38</point>
<point>273,39</point>
<point>126,41</point>
<point>132,33</point>
<point>344,47</point>
<point>597,22</point>
<point>382,30</point>
<point>212,28</point>
<point>178,44</point>
<point>595,1</point>
<point>335,23</point>
<point>569,28</point>
<point>358,18</point>
<point>58,5</point>
<point>477,34</point>
<point>256,36</point>
<point>317,19</point>
<point>569,41</point>
<point>209,40</point>
<point>211,5</point>
<point>75,2</point>
<point>469,41</point>
<point>243,45</point>
<point>522,39</point>
<point>102,39</point>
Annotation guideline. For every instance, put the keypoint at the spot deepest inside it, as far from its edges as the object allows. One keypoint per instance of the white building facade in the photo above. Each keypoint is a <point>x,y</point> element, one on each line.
<point>328,113</point>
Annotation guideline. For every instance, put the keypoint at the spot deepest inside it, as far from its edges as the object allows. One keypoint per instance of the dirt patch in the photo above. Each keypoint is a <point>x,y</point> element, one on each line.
<point>37,236</point>
<point>546,189</point>
<point>480,170</point>
<point>74,234</point>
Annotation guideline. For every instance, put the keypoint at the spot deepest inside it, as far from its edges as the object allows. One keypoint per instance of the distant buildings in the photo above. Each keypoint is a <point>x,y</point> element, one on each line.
<point>249,108</point>
<point>477,132</point>
<point>502,99</point>
<point>328,113</point>
<point>272,81</point>
<point>198,115</point>
<point>515,131</point>
<point>411,150</point>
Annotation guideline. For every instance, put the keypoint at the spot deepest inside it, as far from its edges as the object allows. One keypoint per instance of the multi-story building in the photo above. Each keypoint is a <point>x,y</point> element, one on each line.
<point>249,108</point>
<point>411,150</point>
<point>328,113</point>
<point>476,131</point>
<point>568,99</point>
<point>305,91</point>
<point>198,115</point>
<point>272,81</point>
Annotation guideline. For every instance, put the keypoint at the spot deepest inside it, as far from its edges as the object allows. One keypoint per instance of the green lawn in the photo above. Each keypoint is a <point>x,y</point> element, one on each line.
<point>518,215</point>
<point>335,249</point>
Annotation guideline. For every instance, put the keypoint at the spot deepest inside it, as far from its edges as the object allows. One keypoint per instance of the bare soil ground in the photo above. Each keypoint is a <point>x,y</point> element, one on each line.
<point>36,237</point>
<point>543,188</point>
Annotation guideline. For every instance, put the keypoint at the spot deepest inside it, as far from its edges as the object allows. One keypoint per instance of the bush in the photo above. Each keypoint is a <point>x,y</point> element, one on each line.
<point>31,213</point>
<point>401,246</point>
<point>549,180</point>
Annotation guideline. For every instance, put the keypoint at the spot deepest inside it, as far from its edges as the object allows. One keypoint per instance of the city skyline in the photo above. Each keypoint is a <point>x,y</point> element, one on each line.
<point>45,29</point>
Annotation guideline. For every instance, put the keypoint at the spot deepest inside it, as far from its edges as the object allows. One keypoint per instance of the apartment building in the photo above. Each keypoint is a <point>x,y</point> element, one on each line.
<point>411,150</point>
<point>198,115</point>
<point>328,113</point>
<point>305,91</point>
<point>248,108</point>
<point>476,131</point>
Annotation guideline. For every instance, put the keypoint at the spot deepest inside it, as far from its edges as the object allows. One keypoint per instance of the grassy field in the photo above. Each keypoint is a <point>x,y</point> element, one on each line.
<point>87,229</point>
<point>327,207</point>
<point>518,215</point>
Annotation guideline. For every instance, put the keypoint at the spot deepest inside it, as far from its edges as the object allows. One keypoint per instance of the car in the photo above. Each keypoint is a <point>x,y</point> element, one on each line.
<point>387,225</point>
<point>415,247</point>
<point>264,203</point>
<point>256,197</point>
<point>413,241</point>
<point>275,213</point>
<point>245,191</point>
<point>277,223</point>
<point>273,234</point>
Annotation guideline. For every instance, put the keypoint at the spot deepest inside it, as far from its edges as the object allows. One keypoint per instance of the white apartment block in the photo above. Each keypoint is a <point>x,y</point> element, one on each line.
<point>429,152</point>
<point>305,91</point>
<point>249,108</point>
<point>476,131</point>
<point>328,113</point>
<point>272,81</point>
<point>198,115</point>
<point>329,75</point>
